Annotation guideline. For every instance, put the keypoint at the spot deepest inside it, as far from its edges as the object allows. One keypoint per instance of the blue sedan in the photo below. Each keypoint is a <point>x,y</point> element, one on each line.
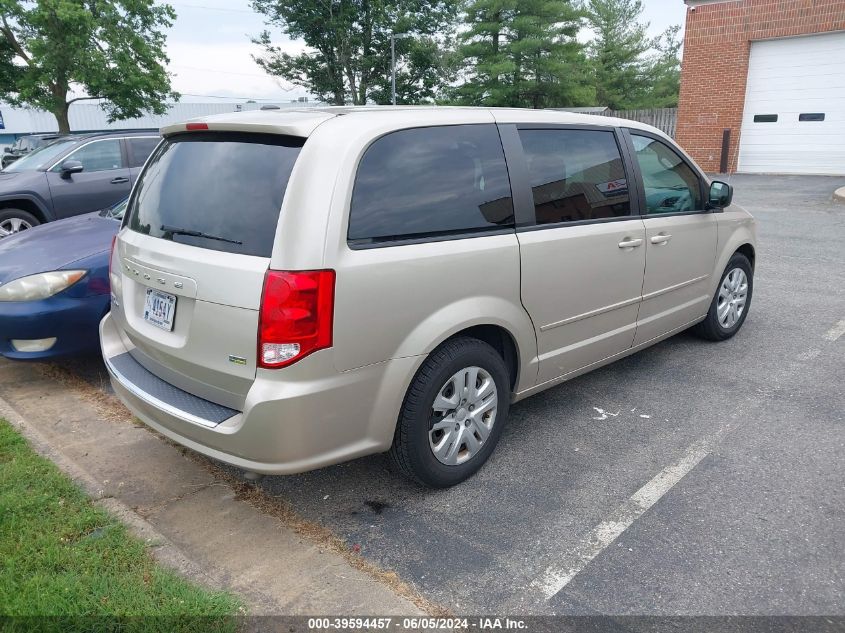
<point>54,285</point>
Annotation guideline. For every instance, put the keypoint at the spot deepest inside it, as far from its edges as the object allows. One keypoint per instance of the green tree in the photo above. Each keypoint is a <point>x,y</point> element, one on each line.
<point>347,59</point>
<point>523,53</point>
<point>664,70</point>
<point>107,49</point>
<point>630,69</point>
<point>9,72</point>
<point>617,50</point>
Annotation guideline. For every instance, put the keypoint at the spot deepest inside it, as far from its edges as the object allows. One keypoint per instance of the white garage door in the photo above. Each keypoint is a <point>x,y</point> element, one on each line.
<point>794,117</point>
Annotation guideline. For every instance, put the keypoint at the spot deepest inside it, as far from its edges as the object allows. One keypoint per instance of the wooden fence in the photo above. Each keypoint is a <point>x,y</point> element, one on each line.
<point>664,119</point>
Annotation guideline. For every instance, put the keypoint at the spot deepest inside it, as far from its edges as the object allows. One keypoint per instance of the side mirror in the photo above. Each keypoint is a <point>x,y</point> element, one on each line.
<point>70,167</point>
<point>721,194</point>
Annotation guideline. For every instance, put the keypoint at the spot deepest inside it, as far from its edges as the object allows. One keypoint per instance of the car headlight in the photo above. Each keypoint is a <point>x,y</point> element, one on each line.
<point>40,286</point>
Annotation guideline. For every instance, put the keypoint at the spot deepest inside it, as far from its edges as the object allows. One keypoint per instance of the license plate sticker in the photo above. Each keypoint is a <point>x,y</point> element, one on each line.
<point>159,309</point>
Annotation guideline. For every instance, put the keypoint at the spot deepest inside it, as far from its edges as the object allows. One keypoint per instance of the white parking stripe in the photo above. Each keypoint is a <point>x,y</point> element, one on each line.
<point>836,331</point>
<point>556,577</point>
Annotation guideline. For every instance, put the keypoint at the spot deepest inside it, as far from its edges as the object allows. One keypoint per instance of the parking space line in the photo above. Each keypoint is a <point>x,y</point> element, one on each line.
<point>836,331</point>
<point>557,576</point>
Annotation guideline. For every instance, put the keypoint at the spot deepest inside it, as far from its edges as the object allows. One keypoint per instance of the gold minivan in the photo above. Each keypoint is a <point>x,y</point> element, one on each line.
<point>293,289</point>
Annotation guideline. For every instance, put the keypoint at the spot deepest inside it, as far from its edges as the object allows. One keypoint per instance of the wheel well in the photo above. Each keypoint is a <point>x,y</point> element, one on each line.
<point>500,340</point>
<point>748,251</point>
<point>24,205</point>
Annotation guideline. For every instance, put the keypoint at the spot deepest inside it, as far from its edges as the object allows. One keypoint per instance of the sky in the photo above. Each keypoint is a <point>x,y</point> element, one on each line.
<point>211,53</point>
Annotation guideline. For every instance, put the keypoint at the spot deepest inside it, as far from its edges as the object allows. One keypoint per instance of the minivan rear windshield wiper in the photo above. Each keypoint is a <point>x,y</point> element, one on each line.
<point>175,230</point>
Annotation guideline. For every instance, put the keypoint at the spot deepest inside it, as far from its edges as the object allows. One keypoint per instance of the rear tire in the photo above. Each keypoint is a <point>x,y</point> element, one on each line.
<point>731,302</point>
<point>15,220</point>
<point>453,414</point>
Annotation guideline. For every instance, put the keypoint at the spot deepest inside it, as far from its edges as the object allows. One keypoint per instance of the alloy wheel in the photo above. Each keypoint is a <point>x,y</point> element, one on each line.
<point>733,294</point>
<point>13,225</point>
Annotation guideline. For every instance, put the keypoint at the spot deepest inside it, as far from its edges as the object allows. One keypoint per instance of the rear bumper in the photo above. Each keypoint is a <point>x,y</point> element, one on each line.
<point>303,417</point>
<point>72,321</point>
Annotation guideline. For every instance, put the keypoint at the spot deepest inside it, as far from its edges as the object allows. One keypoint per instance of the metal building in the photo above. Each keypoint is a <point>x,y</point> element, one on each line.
<point>89,116</point>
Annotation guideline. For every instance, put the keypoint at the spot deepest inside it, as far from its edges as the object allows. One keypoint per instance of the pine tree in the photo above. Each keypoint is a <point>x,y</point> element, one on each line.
<point>617,51</point>
<point>664,70</point>
<point>631,70</point>
<point>523,53</point>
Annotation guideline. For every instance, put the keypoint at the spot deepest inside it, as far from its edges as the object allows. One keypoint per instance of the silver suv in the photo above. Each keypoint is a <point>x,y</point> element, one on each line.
<point>297,289</point>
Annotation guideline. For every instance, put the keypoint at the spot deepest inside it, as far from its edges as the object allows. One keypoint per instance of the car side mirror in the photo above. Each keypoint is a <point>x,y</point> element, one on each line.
<point>721,194</point>
<point>70,167</point>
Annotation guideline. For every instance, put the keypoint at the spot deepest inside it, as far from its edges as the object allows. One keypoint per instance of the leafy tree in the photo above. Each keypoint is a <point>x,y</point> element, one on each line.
<point>9,72</point>
<point>664,70</point>
<point>631,70</point>
<point>348,54</point>
<point>110,49</point>
<point>523,53</point>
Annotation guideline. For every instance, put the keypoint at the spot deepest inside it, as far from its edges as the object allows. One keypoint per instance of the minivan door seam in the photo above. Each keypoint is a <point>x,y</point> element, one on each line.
<point>520,196</point>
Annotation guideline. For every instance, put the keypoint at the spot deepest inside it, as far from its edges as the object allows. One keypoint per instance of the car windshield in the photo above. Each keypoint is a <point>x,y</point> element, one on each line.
<point>39,141</point>
<point>116,212</point>
<point>41,157</point>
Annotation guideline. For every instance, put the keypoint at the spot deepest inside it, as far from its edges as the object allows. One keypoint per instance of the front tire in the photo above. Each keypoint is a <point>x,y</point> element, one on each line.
<point>731,302</point>
<point>453,414</point>
<point>14,220</point>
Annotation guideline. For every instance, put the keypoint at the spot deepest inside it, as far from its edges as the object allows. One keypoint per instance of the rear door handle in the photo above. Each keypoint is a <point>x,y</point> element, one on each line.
<point>119,180</point>
<point>630,243</point>
<point>660,238</point>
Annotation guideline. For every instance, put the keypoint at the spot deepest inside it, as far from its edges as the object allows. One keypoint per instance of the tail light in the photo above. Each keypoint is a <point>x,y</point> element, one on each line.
<point>297,310</point>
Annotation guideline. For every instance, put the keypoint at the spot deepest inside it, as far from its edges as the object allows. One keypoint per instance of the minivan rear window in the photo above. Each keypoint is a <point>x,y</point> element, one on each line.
<point>220,191</point>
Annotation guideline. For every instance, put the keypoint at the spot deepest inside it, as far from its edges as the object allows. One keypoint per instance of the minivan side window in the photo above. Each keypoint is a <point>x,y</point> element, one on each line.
<point>97,156</point>
<point>575,175</point>
<point>671,186</point>
<point>429,182</point>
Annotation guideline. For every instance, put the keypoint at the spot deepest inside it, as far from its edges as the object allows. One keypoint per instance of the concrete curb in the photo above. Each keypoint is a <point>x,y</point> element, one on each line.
<point>206,526</point>
<point>839,195</point>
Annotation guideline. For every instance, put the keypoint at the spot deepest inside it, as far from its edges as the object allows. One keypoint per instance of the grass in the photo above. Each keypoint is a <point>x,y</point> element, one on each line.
<point>65,564</point>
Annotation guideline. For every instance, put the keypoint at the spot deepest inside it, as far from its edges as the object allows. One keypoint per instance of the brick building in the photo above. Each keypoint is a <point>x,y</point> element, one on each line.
<point>772,72</point>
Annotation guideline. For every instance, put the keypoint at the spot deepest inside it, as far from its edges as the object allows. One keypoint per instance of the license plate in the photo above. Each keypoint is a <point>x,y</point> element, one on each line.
<point>159,309</point>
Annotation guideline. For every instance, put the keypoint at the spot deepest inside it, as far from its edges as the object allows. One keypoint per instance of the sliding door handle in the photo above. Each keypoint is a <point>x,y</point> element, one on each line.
<point>630,243</point>
<point>119,180</point>
<point>660,238</point>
